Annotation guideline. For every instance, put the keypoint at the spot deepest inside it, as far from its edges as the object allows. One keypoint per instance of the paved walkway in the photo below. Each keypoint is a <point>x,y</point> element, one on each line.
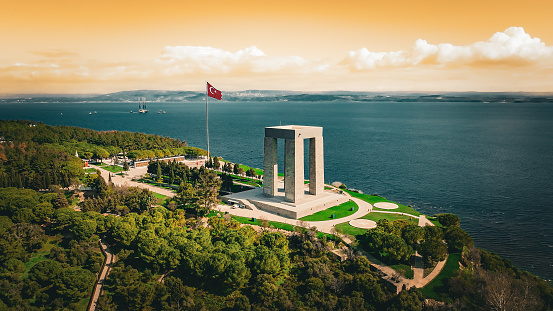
<point>126,180</point>
<point>108,264</point>
<point>322,226</point>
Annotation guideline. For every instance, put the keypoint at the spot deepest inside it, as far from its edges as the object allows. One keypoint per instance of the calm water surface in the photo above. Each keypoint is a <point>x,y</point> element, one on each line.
<point>490,163</point>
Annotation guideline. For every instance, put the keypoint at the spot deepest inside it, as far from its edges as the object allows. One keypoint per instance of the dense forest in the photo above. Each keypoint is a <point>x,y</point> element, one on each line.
<point>171,257</point>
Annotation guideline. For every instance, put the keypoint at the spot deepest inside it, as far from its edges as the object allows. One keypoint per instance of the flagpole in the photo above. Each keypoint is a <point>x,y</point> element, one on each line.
<point>207,121</point>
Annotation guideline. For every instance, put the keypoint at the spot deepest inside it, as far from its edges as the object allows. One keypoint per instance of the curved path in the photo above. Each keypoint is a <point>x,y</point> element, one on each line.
<point>108,264</point>
<point>325,226</point>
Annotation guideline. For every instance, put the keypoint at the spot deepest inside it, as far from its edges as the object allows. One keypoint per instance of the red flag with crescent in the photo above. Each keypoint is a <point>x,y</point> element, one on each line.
<point>213,92</point>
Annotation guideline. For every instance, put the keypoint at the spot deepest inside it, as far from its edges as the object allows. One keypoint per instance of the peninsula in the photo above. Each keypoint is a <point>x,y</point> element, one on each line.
<point>175,245</point>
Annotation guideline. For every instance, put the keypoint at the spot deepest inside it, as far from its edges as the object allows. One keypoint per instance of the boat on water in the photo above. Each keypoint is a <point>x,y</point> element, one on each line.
<point>161,111</point>
<point>142,105</point>
<point>90,113</point>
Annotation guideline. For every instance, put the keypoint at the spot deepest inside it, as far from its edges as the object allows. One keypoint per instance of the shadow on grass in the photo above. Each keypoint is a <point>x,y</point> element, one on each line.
<point>437,289</point>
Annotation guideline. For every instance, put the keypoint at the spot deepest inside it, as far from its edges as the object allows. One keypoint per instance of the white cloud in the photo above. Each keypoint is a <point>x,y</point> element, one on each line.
<point>209,60</point>
<point>509,60</point>
<point>512,47</point>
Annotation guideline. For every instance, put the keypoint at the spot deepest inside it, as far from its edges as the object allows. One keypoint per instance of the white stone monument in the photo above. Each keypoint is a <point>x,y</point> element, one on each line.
<point>293,161</point>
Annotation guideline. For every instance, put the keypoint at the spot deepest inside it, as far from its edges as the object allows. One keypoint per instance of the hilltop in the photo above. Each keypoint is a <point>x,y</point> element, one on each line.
<point>277,96</point>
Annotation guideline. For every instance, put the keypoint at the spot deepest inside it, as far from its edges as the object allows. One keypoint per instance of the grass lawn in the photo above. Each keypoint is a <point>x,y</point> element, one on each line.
<point>391,217</point>
<point>160,198</point>
<point>113,168</point>
<point>83,303</point>
<point>375,199</point>
<point>153,183</point>
<point>99,164</point>
<point>239,188</point>
<point>90,170</point>
<point>278,225</point>
<point>246,180</point>
<point>346,228</point>
<point>243,180</point>
<point>405,270</point>
<point>435,221</point>
<point>147,181</point>
<point>39,256</point>
<point>258,222</point>
<point>340,211</point>
<point>432,289</point>
<point>257,170</point>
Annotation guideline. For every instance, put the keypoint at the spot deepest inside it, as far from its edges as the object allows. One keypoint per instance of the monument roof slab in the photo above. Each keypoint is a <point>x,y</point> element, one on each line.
<point>293,131</point>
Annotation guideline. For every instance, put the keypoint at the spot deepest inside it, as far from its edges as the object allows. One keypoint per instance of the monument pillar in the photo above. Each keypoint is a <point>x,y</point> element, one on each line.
<point>316,166</point>
<point>293,170</point>
<point>270,167</point>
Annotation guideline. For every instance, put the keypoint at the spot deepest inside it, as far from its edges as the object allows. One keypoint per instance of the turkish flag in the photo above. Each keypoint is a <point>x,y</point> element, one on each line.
<point>213,92</point>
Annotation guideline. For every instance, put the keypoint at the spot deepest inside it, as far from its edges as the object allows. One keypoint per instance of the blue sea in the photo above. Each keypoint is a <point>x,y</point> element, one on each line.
<point>489,162</point>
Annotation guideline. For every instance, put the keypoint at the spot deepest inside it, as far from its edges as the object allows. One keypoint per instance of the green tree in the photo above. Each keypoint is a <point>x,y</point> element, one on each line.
<point>12,268</point>
<point>186,195</point>
<point>390,227</point>
<point>5,224</point>
<point>159,174</point>
<point>100,185</point>
<point>176,289</point>
<point>216,163</point>
<point>236,274</point>
<point>45,272</point>
<point>448,220</point>
<point>13,199</point>
<point>60,201</point>
<point>433,233</point>
<point>101,154</point>
<point>207,190</point>
<point>274,240</point>
<point>227,182</point>
<point>150,247</point>
<point>235,167</point>
<point>125,231</point>
<point>83,228</point>
<point>43,211</point>
<point>126,166</point>
<point>457,239</point>
<point>407,300</point>
<point>172,176</point>
<point>250,172</point>
<point>412,234</point>
<point>74,283</point>
<point>432,251</point>
<point>267,261</point>
<point>390,247</point>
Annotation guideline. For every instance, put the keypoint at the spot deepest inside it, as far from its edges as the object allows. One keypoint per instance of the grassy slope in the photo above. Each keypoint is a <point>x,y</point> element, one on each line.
<point>375,199</point>
<point>340,211</point>
<point>432,289</point>
<point>258,222</point>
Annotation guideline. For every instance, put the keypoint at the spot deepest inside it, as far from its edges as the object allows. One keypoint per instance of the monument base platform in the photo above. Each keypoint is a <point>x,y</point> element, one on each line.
<point>308,205</point>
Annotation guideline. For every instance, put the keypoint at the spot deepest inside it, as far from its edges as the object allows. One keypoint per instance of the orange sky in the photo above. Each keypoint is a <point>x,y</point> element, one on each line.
<point>103,46</point>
